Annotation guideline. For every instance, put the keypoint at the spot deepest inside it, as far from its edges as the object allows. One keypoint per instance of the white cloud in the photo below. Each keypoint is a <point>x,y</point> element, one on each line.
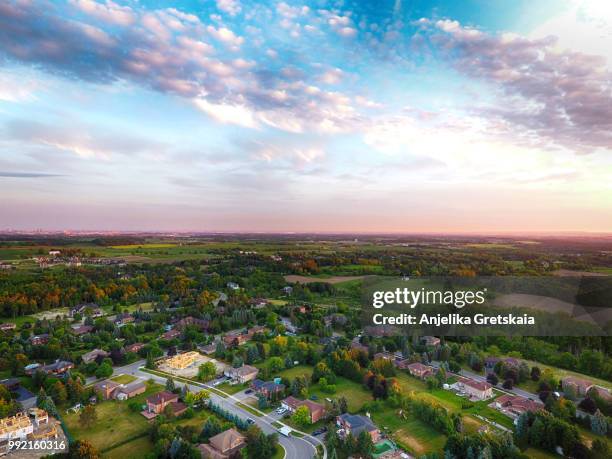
<point>226,36</point>
<point>228,113</point>
<point>231,7</point>
<point>108,12</point>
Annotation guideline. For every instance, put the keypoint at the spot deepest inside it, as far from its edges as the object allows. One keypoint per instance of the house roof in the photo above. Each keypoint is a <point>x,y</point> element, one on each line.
<point>162,397</point>
<point>519,403</point>
<point>107,385</point>
<point>245,370</point>
<point>358,423</point>
<point>133,386</point>
<point>57,365</point>
<point>269,386</point>
<point>478,385</point>
<point>417,366</point>
<point>226,440</point>
<point>578,382</point>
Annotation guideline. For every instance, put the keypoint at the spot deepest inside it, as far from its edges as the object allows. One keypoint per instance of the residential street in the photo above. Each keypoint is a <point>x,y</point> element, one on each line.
<point>295,448</point>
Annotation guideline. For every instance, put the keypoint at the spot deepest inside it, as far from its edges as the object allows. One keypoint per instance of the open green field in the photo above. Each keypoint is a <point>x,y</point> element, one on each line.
<point>232,388</point>
<point>123,379</point>
<point>116,422</point>
<point>532,386</point>
<point>540,454</point>
<point>299,370</point>
<point>410,433</point>
<point>139,447</point>
<point>354,393</point>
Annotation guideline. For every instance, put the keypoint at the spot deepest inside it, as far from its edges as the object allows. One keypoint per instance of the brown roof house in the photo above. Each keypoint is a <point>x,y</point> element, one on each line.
<point>106,389</point>
<point>93,355</point>
<point>581,386</point>
<point>241,375</point>
<point>134,347</point>
<point>109,389</point>
<point>269,389</point>
<point>354,424</point>
<point>419,370</point>
<point>479,390</point>
<point>515,405</point>
<point>157,403</point>
<point>316,410</point>
<point>226,445</point>
<point>130,390</point>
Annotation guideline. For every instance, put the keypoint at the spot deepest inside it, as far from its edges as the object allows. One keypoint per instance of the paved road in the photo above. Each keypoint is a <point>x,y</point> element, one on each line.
<point>295,448</point>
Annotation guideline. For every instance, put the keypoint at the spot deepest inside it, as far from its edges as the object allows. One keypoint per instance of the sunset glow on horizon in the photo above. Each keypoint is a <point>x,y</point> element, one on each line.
<point>312,116</point>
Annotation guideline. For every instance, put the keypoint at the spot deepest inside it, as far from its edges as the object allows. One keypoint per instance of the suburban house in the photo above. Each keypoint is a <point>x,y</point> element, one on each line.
<point>241,375</point>
<point>7,326</point>
<point>269,389</point>
<point>82,330</point>
<point>157,403</point>
<point>233,286</point>
<point>356,345</point>
<point>581,386</point>
<point>202,324</point>
<point>288,290</point>
<point>56,368</point>
<point>239,337</point>
<point>225,445</point>
<point>479,390</point>
<point>86,308</point>
<point>37,340</point>
<point>515,405</point>
<point>354,424</point>
<point>490,363</point>
<point>316,410</point>
<point>107,389</point>
<point>419,370</point>
<point>402,364</point>
<point>91,356</point>
<point>208,349</point>
<point>136,347</point>
<point>600,392</point>
<point>171,334</point>
<point>384,355</point>
<point>123,319</point>
<point>130,390</point>
<point>430,341</point>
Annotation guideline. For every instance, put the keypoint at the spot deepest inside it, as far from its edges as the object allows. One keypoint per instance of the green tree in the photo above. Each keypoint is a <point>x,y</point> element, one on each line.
<point>301,416</point>
<point>88,417</point>
<point>207,371</point>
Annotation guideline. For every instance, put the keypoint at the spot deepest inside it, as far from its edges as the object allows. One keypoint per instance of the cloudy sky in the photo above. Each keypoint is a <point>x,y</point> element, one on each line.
<point>236,115</point>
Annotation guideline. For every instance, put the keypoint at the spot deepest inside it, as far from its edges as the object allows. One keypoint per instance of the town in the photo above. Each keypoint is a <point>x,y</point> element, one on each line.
<point>256,352</point>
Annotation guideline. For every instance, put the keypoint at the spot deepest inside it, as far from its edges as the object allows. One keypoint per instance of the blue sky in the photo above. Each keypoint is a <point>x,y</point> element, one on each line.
<point>233,115</point>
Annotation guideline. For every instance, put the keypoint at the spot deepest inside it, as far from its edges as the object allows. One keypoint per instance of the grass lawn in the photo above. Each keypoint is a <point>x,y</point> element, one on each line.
<point>250,409</point>
<point>453,402</point>
<point>308,429</point>
<point>280,452</point>
<point>539,454</point>
<point>116,422</point>
<point>354,393</point>
<point>299,370</point>
<point>232,388</point>
<point>410,433</point>
<point>135,448</point>
<point>124,379</point>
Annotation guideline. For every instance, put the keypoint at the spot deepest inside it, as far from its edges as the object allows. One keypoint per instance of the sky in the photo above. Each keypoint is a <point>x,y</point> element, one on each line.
<point>272,116</point>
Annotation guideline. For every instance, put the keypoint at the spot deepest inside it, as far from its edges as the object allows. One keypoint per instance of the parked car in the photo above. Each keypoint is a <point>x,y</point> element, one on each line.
<point>248,391</point>
<point>250,421</point>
